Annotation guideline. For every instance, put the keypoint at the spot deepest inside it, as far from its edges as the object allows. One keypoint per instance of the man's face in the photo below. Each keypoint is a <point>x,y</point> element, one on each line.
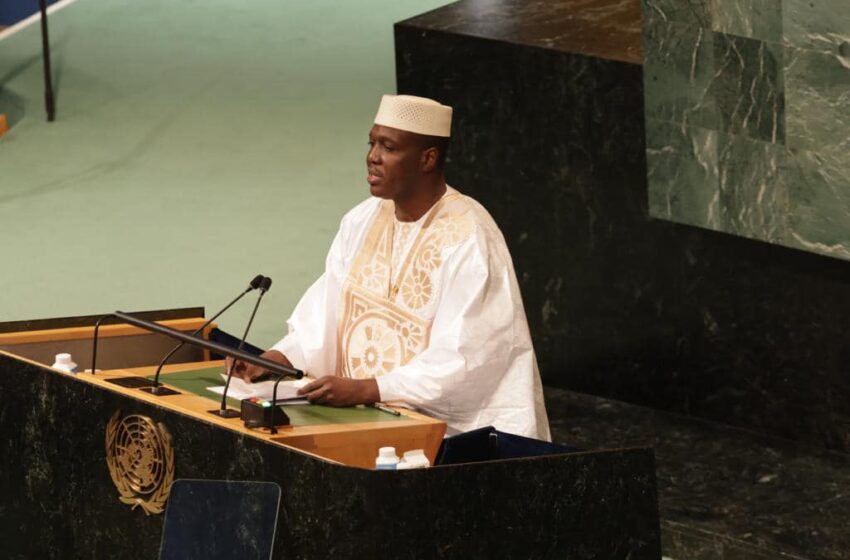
<point>394,162</point>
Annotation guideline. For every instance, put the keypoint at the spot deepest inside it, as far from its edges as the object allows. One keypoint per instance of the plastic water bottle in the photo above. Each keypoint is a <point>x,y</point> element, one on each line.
<point>416,459</point>
<point>65,363</point>
<point>386,460</point>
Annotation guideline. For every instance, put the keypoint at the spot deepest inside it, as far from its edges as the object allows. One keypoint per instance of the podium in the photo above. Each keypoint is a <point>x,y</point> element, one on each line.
<point>86,466</point>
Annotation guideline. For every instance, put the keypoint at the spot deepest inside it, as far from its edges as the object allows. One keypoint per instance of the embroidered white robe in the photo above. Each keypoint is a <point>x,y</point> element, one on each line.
<point>441,327</point>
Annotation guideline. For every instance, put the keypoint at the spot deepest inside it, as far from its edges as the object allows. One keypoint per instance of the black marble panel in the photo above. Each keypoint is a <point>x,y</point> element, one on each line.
<point>749,87</point>
<point>551,141</point>
<point>724,493</point>
<point>58,500</point>
<point>602,28</point>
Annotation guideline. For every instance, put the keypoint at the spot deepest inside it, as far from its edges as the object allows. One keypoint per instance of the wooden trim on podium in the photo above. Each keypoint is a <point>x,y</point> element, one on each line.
<point>106,331</point>
<point>90,320</point>
<point>353,444</point>
<point>206,336</point>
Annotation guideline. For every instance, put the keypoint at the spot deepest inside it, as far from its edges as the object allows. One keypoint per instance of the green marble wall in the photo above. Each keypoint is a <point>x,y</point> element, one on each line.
<point>748,118</point>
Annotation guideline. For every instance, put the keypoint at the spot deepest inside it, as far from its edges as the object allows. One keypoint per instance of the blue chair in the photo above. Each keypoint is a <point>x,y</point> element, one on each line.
<point>489,444</point>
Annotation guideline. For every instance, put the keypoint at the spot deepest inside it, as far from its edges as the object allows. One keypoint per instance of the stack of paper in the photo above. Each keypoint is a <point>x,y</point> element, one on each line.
<point>286,390</point>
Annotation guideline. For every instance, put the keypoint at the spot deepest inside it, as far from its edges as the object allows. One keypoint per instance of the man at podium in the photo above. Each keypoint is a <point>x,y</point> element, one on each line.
<point>419,302</point>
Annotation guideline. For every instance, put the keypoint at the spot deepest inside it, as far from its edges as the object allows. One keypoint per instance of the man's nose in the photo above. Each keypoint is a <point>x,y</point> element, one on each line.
<point>373,155</point>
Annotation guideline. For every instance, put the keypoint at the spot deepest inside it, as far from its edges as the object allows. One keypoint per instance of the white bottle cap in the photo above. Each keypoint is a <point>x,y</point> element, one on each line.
<point>386,459</point>
<point>65,363</point>
<point>387,453</point>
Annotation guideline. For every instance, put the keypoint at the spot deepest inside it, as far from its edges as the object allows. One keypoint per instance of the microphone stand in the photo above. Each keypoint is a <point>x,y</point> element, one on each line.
<point>45,53</point>
<point>223,411</point>
<point>216,347</point>
<point>161,390</point>
<point>254,284</point>
<point>272,426</point>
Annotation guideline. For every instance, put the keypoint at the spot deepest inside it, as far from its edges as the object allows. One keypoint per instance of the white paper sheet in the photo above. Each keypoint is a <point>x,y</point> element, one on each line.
<point>286,390</point>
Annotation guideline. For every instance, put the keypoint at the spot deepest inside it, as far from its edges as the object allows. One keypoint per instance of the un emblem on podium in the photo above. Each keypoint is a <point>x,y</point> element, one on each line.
<point>140,460</point>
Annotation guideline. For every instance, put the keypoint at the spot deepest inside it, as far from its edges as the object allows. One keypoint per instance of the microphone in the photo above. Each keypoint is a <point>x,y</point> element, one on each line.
<point>223,411</point>
<point>158,389</point>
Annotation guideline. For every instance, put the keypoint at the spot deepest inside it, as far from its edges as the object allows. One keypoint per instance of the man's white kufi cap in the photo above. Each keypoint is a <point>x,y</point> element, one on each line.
<point>415,114</point>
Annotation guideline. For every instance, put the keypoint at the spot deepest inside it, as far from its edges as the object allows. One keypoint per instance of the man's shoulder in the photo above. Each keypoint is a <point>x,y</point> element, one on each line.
<point>362,212</point>
<point>465,209</point>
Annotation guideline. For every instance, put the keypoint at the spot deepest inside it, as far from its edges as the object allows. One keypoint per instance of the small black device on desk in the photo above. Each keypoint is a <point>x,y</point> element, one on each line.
<point>257,412</point>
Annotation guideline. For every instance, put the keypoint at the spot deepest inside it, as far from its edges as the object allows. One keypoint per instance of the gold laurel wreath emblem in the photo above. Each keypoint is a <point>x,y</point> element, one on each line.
<point>140,460</point>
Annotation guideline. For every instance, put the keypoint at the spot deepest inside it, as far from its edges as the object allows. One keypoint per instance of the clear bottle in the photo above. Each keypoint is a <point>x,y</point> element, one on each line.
<point>386,460</point>
<point>65,363</point>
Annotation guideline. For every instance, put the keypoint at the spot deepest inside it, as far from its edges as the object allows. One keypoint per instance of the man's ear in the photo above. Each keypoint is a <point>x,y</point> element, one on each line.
<point>429,159</point>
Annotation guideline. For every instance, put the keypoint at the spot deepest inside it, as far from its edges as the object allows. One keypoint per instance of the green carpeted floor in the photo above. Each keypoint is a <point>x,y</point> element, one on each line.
<point>196,145</point>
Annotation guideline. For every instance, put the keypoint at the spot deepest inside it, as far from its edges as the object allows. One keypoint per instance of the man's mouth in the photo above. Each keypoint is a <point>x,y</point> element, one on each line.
<point>373,177</point>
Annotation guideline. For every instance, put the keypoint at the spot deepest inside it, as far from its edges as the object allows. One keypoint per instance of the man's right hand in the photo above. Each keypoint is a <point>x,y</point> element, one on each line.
<point>250,372</point>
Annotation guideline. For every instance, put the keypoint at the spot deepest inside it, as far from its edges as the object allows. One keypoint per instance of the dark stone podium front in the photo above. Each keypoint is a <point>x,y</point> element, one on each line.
<point>60,502</point>
<point>737,348</point>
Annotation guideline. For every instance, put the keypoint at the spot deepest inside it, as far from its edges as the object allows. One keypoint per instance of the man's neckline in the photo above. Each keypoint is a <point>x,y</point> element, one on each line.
<point>446,192</point>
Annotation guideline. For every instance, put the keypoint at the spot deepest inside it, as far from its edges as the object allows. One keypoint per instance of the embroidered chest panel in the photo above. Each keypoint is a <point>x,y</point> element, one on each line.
<point>386,314</point>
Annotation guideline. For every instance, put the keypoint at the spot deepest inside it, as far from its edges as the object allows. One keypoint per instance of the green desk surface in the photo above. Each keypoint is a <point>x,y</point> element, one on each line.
<point>196,382</point>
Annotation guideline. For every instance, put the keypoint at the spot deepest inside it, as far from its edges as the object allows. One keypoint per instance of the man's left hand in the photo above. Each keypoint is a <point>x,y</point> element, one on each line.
<point>341,391</point>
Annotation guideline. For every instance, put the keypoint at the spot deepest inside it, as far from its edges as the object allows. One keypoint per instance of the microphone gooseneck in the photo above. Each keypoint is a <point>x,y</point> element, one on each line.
<point>157,389</point>
<point>223,411</point>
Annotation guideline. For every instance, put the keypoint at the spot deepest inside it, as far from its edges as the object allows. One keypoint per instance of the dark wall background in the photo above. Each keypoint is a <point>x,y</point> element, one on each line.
<point>621,305</point>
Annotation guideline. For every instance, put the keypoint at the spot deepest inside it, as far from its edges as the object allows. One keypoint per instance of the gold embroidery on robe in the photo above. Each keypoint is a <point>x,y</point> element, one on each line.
<point>383,325</point>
